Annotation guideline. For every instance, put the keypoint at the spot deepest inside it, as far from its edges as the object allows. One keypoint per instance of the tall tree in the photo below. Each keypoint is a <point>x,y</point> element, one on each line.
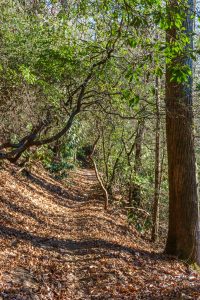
<point>183,239</point>
<point>157,172</point>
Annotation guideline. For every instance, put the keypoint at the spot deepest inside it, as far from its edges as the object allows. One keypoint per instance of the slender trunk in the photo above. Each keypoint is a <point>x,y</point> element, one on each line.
<point>106,201</point>
<point>56,152</point>
<point>97,173</point>
<point>105,157</point>
<point>155,217</point>
<point>183,234</point>
<point>138,146</point>
<point>110,183</point>
<point>135,188</point>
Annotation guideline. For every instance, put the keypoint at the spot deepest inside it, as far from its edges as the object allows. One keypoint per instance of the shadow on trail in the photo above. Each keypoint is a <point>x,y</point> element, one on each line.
<point>83,239</point>
<point>53,188</point>
<point>84,247</point>
<point>63,196</point>
<point>21,210</point>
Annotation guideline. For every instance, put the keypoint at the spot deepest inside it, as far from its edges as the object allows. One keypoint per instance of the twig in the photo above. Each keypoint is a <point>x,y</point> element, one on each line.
<point>139,209</point>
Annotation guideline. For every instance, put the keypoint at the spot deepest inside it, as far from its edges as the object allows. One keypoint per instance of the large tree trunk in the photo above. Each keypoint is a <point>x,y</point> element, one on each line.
<point>183,196</point>
<point>155,216</point>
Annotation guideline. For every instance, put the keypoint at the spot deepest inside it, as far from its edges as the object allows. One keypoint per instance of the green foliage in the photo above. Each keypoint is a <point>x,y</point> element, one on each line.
<point>134,101</point>
<point>181,74</point>
<point>141,223</point>
<point>115,50</point>
<point>60,169</point>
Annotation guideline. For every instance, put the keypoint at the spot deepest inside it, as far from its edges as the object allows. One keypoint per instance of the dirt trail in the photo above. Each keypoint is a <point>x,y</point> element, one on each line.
<point>57,242</point>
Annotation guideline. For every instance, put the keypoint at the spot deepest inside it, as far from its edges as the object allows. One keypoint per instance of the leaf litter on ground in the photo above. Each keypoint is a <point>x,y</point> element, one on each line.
<point>57,242</point>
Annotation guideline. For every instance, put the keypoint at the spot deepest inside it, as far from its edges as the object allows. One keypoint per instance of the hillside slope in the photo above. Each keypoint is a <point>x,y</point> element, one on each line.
<point>57,242</point>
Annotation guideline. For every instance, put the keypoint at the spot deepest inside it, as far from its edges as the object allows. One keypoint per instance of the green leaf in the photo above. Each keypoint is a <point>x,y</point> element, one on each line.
<point>134,101</point>
<point>26,73</point>
<point>180,74</point>
<point>159,71</point>
<point>132,43</point>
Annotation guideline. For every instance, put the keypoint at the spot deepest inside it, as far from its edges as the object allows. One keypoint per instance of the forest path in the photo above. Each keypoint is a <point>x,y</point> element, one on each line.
<point>57,242</point>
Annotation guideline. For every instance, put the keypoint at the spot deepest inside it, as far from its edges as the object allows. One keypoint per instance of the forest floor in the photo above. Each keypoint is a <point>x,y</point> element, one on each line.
<point>57,242</point>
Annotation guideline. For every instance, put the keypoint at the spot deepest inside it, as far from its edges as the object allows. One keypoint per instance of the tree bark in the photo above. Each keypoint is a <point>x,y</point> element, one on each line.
<point>155,217</point>
<point>135,188</point>
<point>183,234</point>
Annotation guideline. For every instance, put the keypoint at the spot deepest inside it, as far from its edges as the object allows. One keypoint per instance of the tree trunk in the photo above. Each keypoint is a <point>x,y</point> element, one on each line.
<point>183,239</point>
<point>56,152</point>
<point>135,188</point>
<point>155,228</point>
